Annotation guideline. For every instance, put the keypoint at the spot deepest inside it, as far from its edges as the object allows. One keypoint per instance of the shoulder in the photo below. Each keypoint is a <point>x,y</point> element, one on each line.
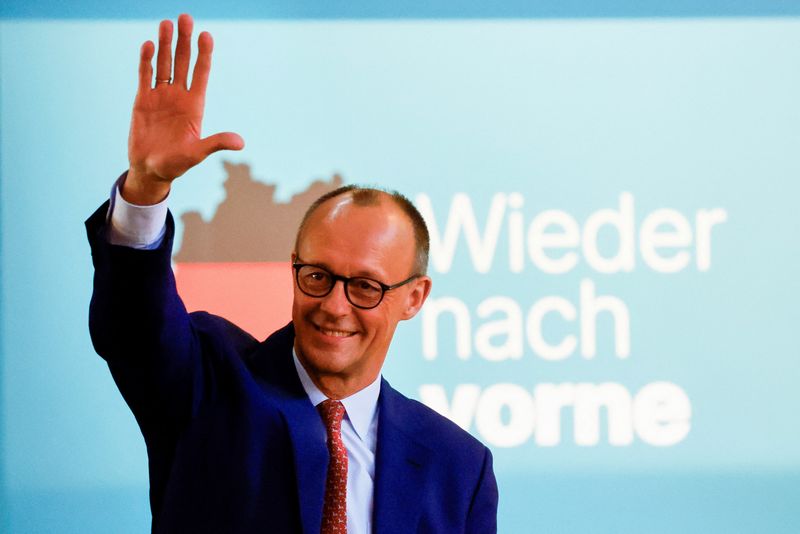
<point>429,428</point>
<point>213,329</point>
<point>460,465</point>
<point>269,360</point>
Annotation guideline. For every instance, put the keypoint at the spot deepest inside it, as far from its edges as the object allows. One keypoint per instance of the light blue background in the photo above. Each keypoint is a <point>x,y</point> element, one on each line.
<point>684,113</point>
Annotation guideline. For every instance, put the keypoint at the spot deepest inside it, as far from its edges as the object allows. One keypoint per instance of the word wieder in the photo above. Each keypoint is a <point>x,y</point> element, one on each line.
<point>508,414</point>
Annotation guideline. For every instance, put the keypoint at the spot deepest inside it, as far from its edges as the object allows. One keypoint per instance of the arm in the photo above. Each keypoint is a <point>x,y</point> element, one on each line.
<point>139,325</point>
<point>137,320</point>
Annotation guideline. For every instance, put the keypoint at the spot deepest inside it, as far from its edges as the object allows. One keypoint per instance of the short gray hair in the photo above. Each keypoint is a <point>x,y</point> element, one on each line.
<point>371,196</point>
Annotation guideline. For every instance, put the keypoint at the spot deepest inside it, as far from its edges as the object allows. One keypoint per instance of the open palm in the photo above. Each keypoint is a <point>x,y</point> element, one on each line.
<point>165,137</point>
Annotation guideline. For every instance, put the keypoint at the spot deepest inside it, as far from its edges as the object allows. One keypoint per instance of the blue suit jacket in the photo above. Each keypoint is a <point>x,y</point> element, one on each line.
<point>233,442</point>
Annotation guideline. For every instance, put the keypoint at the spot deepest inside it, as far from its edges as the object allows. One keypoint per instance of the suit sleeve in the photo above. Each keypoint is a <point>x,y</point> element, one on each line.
<point>140,326</point>
<point>482,518</point>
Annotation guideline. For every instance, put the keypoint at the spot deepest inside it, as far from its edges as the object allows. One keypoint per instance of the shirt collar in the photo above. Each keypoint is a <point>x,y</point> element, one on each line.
<point>360,407</point>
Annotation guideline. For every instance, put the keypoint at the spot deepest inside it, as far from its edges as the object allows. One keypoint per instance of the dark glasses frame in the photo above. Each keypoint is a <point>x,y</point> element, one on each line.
<point>346,281</point>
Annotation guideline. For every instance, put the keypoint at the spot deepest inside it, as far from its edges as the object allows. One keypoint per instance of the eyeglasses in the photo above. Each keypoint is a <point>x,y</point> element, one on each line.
<point>361,292</point>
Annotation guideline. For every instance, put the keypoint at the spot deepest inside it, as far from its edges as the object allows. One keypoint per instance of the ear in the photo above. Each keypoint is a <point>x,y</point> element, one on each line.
<point>419,291</point>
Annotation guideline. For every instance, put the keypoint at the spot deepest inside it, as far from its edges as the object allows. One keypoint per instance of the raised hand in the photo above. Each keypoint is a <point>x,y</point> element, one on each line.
<point>165,139</point>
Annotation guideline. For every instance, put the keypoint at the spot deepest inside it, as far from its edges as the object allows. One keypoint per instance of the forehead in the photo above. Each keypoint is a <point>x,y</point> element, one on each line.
<point>352,239</point>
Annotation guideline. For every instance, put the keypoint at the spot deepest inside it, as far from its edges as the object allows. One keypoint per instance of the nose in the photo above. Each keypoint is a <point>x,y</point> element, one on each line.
<point>335,302</point>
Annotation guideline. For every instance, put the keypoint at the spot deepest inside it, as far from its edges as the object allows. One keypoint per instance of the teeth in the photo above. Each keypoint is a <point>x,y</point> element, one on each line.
<point>334,333</point>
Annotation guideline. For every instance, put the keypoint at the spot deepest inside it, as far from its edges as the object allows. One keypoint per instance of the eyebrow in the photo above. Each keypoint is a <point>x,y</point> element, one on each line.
<point>358,274</point>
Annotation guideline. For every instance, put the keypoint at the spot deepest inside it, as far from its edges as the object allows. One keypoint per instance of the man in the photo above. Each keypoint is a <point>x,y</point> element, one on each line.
<point>299,433</point>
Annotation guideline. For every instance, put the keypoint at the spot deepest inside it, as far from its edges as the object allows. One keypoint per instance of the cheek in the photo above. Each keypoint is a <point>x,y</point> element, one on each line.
<point>381,326</point>
<point>301,304</point>
<point>295,312</point>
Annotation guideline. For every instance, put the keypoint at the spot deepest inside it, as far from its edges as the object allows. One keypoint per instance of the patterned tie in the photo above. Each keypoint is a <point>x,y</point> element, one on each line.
<point>334,511</point>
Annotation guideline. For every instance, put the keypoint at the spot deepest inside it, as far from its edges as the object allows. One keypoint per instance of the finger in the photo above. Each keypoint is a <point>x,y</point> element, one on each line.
<point>164,61</point>
<point>183,50</point>
<point>146,66</point>
<point>202,67</point>
<point>221,141</point>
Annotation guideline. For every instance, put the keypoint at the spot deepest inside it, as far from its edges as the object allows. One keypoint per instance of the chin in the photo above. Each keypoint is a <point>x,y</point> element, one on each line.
<point>323,360</point>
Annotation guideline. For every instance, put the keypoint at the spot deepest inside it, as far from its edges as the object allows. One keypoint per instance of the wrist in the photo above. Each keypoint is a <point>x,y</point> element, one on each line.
<point>144,190</point>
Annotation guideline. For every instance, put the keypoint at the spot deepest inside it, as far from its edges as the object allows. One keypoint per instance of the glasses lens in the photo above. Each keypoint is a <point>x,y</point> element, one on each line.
<point>314,280</point>
<point>364,292</point>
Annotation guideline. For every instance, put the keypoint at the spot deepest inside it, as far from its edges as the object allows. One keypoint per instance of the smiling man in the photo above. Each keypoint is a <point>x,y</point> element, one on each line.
<point>299,433</point>
<point>343,331</point>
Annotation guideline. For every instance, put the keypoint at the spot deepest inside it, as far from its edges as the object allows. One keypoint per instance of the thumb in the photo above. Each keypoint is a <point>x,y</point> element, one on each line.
<point>221,141</point>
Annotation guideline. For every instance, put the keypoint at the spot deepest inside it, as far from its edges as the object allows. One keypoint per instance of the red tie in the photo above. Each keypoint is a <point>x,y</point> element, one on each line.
<point>334,511</point>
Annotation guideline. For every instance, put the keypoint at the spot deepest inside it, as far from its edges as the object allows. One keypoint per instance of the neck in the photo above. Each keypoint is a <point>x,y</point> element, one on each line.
<point>336,386</point>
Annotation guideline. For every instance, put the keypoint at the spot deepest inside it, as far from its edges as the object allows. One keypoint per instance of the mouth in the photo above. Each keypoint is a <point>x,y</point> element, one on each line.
<point>332,332</point>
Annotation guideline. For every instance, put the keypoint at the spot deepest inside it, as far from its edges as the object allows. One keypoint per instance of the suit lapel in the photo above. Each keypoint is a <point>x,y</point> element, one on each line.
<point>402,467</point>
<point>402,463</point>
<point>274,366</point>
<point>310,459</point>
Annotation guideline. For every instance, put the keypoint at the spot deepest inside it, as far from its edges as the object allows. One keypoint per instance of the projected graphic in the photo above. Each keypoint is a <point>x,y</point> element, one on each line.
<point>237,264</point>
<point>502,328</point>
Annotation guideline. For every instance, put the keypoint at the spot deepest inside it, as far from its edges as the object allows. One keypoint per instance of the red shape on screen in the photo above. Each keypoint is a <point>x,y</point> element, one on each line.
<point>255,296</point>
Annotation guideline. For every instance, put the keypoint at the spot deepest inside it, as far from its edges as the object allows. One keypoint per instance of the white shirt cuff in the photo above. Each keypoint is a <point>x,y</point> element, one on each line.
<point>141,227</point>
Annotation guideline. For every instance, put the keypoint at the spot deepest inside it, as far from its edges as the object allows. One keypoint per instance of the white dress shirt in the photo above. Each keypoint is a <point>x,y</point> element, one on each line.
<point>360,436</point>
<point>143,227</point>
